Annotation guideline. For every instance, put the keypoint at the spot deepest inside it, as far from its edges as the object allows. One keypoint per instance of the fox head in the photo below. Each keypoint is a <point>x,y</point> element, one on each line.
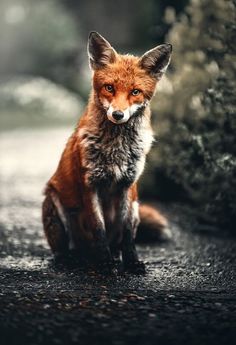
<point>124,84</point>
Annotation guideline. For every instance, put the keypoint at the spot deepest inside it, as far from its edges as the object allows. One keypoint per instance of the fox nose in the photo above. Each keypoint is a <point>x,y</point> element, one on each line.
<point>118,115</point>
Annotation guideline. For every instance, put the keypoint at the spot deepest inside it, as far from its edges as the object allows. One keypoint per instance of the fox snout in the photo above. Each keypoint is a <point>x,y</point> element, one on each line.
<point>119,116</point>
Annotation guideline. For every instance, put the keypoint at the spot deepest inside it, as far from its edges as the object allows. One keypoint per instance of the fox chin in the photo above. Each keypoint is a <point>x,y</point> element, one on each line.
<point>91,201</point>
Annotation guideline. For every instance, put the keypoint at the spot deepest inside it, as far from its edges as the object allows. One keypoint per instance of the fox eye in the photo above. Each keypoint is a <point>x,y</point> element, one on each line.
<point>135,92</point>
<point>109,88</point>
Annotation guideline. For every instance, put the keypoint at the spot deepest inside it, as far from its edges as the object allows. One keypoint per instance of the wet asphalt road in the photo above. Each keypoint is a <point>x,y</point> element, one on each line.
<point>187,296</point>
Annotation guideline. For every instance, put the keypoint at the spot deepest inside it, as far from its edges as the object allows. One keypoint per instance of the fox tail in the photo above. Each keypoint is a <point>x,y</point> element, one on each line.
<point>153,226</point>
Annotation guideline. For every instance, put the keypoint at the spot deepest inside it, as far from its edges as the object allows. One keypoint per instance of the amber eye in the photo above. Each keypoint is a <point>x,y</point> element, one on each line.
<point>135,92</point>
<point>109,88</point>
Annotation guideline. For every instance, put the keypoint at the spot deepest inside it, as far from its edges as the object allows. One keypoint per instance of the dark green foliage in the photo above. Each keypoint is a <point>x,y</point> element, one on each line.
<point>196,112</point>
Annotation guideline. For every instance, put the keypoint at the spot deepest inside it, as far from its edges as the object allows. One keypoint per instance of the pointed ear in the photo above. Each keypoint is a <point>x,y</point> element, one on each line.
<point>100,51</point>
<point>156,60</point>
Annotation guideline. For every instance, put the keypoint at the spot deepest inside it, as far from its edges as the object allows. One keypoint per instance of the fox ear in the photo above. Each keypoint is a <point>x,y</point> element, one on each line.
<point>100,51</point>
<point>156,60</point>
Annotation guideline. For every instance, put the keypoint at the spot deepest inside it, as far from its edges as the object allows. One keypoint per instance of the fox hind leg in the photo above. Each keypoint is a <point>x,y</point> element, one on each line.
<point>54,228</point>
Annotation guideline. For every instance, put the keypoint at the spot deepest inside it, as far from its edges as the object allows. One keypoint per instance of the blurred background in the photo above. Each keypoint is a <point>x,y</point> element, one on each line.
<point>45,82</point>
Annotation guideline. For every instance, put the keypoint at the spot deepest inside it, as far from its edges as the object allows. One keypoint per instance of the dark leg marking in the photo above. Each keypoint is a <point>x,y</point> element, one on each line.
<point>129,253</point>
<point>54,228</point>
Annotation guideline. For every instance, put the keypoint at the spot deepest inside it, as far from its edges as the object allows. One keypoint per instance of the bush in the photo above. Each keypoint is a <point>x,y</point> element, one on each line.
<point>196,154</point>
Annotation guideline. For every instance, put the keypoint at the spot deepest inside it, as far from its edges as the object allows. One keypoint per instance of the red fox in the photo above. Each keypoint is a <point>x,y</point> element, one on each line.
<point>91,202</point>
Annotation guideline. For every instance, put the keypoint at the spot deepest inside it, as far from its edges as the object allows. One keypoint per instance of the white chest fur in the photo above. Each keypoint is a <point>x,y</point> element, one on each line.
<point>115,156</point>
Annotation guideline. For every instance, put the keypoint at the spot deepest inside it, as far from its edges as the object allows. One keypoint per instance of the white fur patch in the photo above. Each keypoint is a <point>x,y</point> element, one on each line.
<point>128,112</point>
<point>97,209</point>
<point>117,172</point>
<point>163,70</point>
<point>105,103</point>
<point>136,210</point>
<point>81,132</point>
<point>146,135</point>
<point>147,138</point>
<point>136,218</point>
<point>140,167</point>
<point>134,107</point>
<point>60,209</point>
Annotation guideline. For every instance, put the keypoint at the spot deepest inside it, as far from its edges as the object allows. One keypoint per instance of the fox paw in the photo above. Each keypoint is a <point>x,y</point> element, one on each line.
<point>107,268</point>
<point>137,267</point>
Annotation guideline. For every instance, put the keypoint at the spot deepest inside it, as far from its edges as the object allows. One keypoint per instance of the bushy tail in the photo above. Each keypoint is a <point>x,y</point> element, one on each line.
<point>153,226</point>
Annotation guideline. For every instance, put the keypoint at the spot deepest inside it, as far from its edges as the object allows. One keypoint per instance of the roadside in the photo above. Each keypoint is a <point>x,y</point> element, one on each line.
<point>187,295</point>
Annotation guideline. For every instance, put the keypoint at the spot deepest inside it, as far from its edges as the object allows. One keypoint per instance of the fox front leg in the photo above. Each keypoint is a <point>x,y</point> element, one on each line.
<point>94,223</point>
<point>126,221</point>
<point>129,252</point>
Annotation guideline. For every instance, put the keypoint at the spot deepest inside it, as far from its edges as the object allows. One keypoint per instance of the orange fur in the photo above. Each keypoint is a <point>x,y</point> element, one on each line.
<point>69,177</point>
<point>151,217</point>
<point>76,199</point>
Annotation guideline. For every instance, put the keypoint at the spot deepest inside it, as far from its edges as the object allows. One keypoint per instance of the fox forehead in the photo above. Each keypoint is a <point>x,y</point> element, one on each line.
<point>125,73</point>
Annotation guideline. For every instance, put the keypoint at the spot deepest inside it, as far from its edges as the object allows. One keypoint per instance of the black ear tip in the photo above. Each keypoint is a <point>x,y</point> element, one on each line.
<point>169,47</point>
<point>92,34</point>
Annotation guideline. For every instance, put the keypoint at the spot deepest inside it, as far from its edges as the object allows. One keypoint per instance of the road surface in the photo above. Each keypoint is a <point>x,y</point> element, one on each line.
<point>187,296</point>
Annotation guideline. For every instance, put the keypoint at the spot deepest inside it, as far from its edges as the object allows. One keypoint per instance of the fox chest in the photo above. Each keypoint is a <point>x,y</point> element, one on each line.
<point>116,161</point>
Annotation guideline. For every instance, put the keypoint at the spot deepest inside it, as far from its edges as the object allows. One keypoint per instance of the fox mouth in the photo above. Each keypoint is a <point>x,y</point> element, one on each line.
<point>119,117</point>
<point>117,122</point>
